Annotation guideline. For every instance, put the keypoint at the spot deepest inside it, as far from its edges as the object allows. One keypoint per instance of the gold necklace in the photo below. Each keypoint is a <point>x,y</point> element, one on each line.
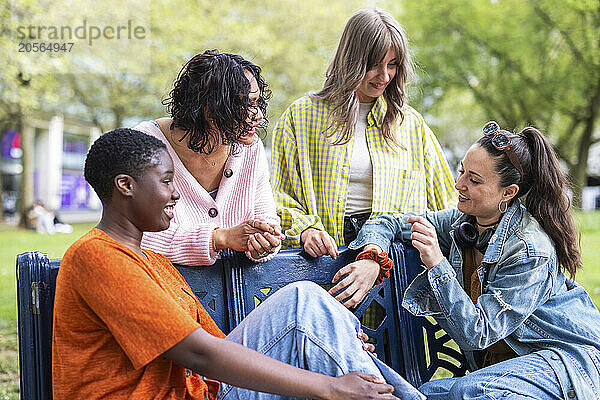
<point>208,162</point>
<point>214,163</point>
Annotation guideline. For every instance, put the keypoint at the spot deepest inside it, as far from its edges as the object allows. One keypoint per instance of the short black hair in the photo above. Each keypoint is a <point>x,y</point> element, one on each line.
<point>214,84</point>
<point>120,151</point>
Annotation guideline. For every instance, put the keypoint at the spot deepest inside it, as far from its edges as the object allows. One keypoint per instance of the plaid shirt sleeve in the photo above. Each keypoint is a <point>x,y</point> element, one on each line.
<point>288,187</point>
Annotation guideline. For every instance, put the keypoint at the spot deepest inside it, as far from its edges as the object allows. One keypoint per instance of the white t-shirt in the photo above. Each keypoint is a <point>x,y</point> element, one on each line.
<point>360,187</point>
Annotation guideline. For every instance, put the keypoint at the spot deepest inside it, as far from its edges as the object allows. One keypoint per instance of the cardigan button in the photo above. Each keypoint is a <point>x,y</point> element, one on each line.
<point>213,212</point>
<point>571,393</point>
<point>228,173</point>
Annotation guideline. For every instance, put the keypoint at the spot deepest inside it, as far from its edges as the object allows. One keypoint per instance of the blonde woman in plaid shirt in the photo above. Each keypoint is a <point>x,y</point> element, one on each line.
<point>355,150</point>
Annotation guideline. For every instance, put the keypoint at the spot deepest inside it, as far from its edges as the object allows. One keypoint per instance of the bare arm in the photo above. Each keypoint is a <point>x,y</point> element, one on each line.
<point>240,366</point>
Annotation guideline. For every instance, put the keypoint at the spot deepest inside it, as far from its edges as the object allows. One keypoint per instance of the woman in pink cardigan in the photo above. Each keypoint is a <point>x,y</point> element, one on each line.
<point>221,170</point>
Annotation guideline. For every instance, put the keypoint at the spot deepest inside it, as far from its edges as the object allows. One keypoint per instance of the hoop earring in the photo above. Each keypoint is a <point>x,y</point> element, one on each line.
<point>500,206</point>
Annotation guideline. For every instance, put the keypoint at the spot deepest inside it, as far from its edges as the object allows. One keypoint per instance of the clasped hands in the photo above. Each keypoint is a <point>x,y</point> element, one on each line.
<point>258,237</point>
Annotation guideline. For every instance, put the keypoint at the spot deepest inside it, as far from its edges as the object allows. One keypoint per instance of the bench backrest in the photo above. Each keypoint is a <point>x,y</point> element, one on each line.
<point>230,289</point>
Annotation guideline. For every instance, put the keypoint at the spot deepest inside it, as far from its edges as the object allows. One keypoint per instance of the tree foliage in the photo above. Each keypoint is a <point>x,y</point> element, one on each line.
<point>292,41</point>
<point>522,63</point>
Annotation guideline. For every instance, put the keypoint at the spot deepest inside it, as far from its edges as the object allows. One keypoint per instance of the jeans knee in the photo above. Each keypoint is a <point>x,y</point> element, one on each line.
<point>303,289</point>
<point>465,388</point>
<point>437,387</point>
<point>309,297</point>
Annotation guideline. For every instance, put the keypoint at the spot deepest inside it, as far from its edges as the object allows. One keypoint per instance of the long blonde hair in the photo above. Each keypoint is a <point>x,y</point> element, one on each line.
<point>366,39</point>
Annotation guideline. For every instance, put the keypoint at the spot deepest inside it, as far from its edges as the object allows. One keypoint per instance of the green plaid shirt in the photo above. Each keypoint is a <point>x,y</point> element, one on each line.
<point>310,175</point>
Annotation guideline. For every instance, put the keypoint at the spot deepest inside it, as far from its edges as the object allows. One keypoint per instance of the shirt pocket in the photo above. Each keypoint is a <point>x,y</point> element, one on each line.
<point>409,191</point>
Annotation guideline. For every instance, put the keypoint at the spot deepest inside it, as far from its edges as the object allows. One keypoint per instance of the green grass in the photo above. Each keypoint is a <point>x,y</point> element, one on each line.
<point>14,241</point>
<point>589,277</point>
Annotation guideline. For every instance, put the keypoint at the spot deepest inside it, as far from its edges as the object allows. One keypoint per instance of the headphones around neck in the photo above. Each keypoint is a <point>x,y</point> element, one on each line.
<point>467,236</point>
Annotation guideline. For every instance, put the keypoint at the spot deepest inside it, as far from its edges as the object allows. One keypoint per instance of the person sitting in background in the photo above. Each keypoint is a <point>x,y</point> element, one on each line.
<point>494,275</point>
<point>44,220</point>
<point>128,326</point>
<point>221,171</point>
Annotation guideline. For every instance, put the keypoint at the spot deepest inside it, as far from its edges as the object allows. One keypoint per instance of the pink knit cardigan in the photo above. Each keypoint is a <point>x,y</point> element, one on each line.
<point>246,194</point>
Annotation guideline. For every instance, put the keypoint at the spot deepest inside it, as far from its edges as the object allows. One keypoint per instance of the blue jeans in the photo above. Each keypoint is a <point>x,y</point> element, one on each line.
<point>525,377</point>
<point>303,325</point>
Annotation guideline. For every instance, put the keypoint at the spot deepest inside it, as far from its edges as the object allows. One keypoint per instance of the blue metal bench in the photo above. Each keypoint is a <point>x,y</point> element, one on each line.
<point>230,289</point>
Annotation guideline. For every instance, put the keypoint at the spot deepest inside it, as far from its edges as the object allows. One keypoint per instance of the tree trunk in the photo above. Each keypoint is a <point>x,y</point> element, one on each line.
<point>2,131</point>
<point>118,122</point>
<point>579,173</point>
<point>26,190</point>
<point>1,199</point>
<point>3,128</point>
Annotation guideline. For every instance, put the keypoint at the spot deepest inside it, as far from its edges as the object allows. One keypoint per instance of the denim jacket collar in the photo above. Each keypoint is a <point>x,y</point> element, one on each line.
<point>508,224</point>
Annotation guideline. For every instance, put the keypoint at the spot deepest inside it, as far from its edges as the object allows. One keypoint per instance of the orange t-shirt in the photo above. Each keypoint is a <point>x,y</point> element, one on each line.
<point>115,314</point>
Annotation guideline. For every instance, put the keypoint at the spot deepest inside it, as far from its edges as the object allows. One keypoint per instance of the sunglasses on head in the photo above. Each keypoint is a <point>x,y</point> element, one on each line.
<point>501,141</point>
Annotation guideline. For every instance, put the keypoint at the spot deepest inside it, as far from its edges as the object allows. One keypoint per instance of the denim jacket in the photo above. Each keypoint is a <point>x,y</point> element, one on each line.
<point>526,300</point>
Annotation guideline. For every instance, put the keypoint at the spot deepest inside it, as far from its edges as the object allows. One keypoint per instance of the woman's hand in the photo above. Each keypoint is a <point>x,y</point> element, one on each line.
<point>361,276</point>
<point>318,243</point>
<point>358,385</point>
<point>424,239</point>
<point>262,244</point>
<point>239,237</point>
<point>370,347</point>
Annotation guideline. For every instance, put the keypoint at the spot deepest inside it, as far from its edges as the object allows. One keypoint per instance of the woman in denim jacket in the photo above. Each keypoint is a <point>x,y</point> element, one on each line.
<point>494,277</point>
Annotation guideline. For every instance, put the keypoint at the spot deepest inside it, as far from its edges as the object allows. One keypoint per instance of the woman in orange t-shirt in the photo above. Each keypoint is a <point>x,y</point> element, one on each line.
<point>127,325</point>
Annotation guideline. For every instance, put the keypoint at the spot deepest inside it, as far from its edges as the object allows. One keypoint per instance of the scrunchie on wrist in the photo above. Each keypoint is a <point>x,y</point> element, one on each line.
<point>385,263</point>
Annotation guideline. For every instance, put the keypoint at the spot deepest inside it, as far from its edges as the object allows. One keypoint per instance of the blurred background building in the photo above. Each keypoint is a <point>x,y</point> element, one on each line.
<point>59,146</point>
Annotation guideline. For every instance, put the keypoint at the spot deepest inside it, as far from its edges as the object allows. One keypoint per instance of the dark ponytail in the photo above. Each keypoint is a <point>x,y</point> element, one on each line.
<point>548,202</point>
<point>545,187</point>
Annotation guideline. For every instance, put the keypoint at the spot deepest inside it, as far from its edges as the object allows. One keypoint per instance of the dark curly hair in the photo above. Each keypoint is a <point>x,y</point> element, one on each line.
<point>545,188</point>
<point>120,151</point>
<point>213,85</point>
